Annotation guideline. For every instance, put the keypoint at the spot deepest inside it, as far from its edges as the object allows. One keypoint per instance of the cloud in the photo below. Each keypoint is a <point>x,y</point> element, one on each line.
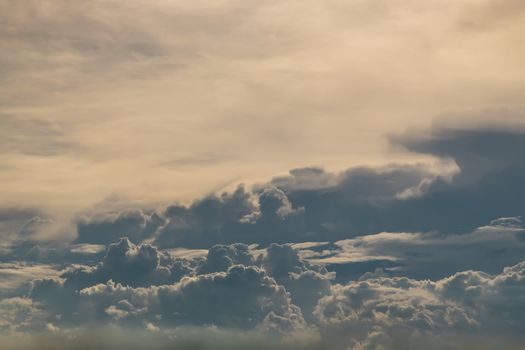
<point>16,276</point>
<point>394,312</point>
<point>401,198</point>
<point>423,255</point>
<point>110,110</point>
<point>18,314</point>
<point>105,228</point>
<point>246,297</point>
<point>375,261</point>
<point>12,220</point>
<point>234,286</point>
<point>278,293</point>
<point>222,257</point>
<point>184,338</point>
<point>211,220</point>
<point>313,205</point>
<point>118,68</point>
<point>123,263</point>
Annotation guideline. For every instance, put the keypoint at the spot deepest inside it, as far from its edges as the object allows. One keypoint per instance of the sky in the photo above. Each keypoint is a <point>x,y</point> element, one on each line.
<point>336,174</point>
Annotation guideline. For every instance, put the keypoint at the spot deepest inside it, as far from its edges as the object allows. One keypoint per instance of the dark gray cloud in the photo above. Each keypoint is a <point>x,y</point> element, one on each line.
<point>279,293</point>
<point>313,205</point>
<point>212,220</point>
<point>105,228</point>
<point>306,282</point>
<point>423,255</point>
<point>488,186</point>
<point>234,286</point>
<point>364,259</point>
<point>263,217</point>
<point>222,257</point>
<point>24,238</point>
<point>242,297</point>
<point>123,263</point>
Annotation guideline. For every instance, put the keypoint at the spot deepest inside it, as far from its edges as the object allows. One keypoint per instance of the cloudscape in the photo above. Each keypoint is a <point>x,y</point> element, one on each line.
<point>238,174</point>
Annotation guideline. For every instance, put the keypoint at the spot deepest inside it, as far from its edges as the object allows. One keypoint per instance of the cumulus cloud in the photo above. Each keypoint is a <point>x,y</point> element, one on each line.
<point>481,183</point>
<point>242,297</point>
<point>108,227</point>
<point>124,263</point>
<point>263,217</point>
<point>222,257</point>
<point>364,259</point>
<point>275,291</point>
<point>124,128</point>
<point>383,312</point>
<point>231,287</point>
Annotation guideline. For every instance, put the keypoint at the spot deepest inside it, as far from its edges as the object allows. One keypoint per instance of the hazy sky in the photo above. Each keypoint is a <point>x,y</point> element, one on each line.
<point>254,174</point>
<point>161,100</point>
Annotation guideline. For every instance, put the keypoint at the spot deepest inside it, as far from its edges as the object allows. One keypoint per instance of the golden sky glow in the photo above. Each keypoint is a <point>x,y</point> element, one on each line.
<point>158,100</point>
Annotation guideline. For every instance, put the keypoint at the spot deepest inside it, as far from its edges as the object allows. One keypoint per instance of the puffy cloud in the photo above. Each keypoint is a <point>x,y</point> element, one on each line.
<point>241,297</point>
<point>470,187</point>
<point>134,286</point>
<point>400,281</point>
<point>307,288</point>
<point>263,217</point>
<point>107,228</point>
<point>380,312</point>
<point>306,283</point>
<point>360,201</point>
<point>222,257</point>
<point>209,221</point>
<point>124,263</point>
<point>278,291</point>
<point>229,288</point>
<point>498,300</point>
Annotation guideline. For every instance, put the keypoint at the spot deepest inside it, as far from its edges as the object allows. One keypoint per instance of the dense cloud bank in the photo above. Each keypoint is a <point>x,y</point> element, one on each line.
<point>371,258</point>
<point>313,205</point>
<point>273,292</point>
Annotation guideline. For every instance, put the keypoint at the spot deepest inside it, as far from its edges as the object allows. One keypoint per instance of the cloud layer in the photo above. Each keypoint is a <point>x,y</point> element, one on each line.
<point>171,99</point>
<point>145,198</point>
<point>277,294</point>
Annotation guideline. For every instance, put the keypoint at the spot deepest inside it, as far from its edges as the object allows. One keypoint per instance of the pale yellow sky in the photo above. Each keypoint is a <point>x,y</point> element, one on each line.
<point>160,100</point>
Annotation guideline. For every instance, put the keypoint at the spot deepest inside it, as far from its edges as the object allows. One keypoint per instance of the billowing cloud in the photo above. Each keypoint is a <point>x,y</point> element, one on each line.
<point>278,293</point>
<point>144,196</point>
<point>107,228</point>
<point>313,205</point>
<point>124,263</point>
<point>382,312</point>
<point>130,287</point>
